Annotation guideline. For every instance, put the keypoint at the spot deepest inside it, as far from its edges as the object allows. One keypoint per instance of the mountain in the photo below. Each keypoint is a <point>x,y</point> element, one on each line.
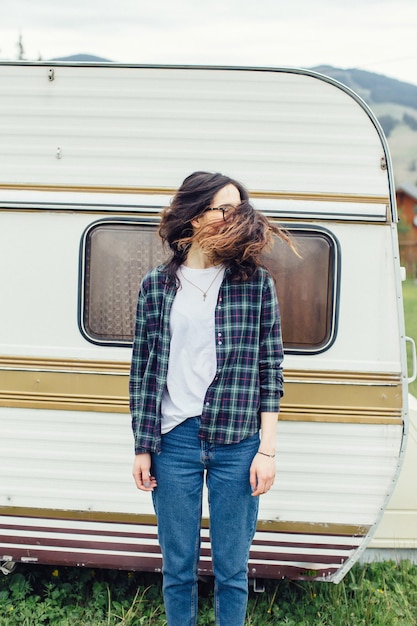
<point>372,87</point>
<point>394,103</point>
<point>81,58</point>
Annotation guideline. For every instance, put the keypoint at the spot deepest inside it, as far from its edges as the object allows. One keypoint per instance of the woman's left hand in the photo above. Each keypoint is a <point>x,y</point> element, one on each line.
<point>262,474</point>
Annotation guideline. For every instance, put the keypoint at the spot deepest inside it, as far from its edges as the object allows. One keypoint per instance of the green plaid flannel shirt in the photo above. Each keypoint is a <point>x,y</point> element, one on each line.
<point>249,353</point>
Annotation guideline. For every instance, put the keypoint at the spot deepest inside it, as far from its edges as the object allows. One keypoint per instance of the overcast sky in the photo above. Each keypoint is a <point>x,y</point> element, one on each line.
<point>375,35</point>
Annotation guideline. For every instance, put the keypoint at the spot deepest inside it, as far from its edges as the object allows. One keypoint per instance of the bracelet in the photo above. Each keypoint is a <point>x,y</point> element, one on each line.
<point>271,456</point>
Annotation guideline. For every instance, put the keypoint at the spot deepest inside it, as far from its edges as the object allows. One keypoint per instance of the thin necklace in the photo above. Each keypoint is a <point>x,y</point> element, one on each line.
<point>199,288</point>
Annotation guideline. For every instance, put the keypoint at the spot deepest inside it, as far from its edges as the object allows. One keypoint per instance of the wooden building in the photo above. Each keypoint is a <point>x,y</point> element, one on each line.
<point>407,208</point>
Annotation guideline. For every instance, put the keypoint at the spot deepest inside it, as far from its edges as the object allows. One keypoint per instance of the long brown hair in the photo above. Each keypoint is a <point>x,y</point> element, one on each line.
<point>237,242</point>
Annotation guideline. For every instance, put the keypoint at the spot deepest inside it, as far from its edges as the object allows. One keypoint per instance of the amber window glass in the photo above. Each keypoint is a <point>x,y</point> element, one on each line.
<point>114,258</point>
<point>115,255</point>
<point>307,286</point>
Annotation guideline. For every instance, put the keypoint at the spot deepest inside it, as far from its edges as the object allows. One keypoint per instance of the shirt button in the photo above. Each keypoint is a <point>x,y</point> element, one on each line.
<point>220,343</point>
<point>207,403</point>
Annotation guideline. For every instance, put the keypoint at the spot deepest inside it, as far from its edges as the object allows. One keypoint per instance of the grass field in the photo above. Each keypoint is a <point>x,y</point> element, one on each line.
<point>378,594</point>
<point>410,312</point>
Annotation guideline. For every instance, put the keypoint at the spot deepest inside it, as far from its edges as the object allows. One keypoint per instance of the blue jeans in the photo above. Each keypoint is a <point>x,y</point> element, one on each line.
<point>179,470</point>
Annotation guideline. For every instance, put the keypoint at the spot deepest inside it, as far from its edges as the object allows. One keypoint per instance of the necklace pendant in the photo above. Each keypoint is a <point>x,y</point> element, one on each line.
<point>199,288</point>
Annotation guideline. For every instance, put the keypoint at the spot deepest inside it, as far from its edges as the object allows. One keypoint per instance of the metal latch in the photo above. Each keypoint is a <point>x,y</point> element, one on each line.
<point>7,567</point>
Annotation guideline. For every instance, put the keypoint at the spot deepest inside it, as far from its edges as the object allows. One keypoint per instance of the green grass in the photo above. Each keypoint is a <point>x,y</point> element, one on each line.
<point>379,594</point>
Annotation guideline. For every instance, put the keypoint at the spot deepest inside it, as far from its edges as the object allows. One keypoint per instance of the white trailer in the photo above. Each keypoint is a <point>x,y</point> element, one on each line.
<point>89,155</point>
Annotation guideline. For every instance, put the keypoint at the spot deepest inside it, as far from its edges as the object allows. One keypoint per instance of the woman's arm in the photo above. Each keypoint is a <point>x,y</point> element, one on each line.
<point>262,471</point>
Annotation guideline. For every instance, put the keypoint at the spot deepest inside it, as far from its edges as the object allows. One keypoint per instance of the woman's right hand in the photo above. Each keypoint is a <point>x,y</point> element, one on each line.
<point>142,472</point>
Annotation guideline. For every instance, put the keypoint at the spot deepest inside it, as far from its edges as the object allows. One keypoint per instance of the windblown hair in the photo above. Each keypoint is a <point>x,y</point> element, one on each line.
<point>237,242</point>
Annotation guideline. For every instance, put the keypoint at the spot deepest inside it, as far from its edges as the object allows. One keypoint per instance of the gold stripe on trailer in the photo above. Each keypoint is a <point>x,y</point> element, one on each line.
<point>310,396</point>
<point>263,526</point>
<point>170,191</point>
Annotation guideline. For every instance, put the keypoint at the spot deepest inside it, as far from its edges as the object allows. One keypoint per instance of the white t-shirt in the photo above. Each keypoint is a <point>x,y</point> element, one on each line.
<point>192,358</point>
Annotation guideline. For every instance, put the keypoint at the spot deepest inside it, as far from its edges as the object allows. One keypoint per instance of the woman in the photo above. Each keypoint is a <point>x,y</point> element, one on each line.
<point>206,377</point>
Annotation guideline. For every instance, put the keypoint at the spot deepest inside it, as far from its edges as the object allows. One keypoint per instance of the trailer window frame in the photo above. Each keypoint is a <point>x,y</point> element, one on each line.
<point>103,268</point>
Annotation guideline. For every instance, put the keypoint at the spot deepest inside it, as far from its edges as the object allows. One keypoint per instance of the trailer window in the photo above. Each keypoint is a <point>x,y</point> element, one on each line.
<point>307,288</point>
<point>114,258</point>
<point>116,255</point>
